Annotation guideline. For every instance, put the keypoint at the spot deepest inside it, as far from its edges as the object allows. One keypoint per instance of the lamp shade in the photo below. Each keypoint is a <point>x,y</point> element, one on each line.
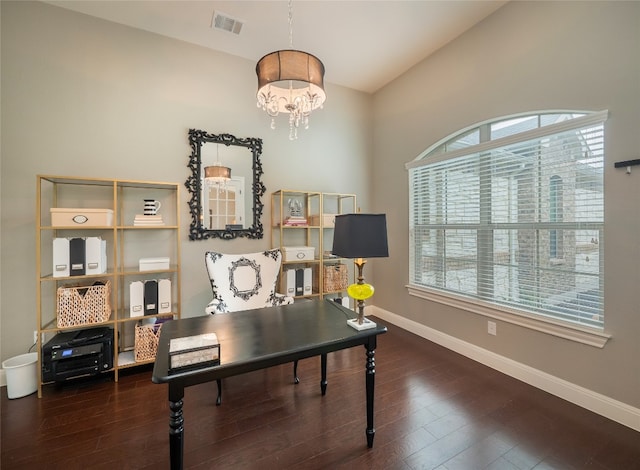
<point>217,173</point>
<point>360,236</point>
<point>289,75</point>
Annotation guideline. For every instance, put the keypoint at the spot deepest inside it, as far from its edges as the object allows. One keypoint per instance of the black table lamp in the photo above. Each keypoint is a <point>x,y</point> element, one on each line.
<point>360,236</point>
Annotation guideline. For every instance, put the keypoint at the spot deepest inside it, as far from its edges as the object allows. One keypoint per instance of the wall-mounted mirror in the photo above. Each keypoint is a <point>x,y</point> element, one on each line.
<point>225,186</point>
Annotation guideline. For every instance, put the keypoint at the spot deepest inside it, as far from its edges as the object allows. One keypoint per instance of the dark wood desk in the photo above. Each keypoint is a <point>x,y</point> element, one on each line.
<point>257,339</point>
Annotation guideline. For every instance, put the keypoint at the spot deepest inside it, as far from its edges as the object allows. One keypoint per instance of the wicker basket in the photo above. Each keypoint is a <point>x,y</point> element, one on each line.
<point>83,305</point>
<point>336,277</point>
<point>146,342</point>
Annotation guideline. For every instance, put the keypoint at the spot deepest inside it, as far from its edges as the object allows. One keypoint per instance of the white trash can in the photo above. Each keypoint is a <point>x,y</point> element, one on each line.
<point>22,375</point>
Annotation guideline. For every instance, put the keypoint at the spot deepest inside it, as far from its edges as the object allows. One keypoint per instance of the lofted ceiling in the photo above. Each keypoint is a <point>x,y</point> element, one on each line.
<point>363,44</point>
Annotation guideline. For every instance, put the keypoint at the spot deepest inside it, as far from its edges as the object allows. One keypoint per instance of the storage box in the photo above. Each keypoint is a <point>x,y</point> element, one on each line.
<point>194,351</point>
<point>154,264</point>
<point>298,253</point>
<point>297,282</point>
<point>336,277</point>
<point>83,305</point>
<point>136,299</point>
<point>146,342</point>
<point>96,255</point>
<point>67,217</point>
<point>328,220</point>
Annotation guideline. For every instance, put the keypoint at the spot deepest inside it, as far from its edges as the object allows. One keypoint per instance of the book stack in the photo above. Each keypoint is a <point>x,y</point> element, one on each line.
<point>295,221</point>
<point>148,220</point>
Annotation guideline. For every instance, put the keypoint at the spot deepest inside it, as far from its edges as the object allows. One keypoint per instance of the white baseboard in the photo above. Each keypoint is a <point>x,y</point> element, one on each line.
<point>596,402</point>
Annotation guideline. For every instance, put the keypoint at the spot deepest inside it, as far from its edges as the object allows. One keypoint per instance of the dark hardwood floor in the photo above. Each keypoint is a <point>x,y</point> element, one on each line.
<point>434,410</point>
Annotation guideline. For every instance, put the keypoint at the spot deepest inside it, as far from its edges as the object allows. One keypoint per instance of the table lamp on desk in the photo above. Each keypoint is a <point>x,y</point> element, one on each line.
<point>360,236</point>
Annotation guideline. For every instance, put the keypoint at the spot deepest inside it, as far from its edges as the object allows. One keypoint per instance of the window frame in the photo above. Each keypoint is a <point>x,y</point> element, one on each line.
<point>593,336</point>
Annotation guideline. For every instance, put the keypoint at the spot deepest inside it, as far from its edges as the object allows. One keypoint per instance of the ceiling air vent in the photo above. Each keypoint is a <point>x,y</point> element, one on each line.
<point>226,23</point>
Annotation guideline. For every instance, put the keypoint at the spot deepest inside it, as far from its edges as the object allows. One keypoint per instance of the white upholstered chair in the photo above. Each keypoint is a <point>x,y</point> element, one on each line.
<point>244,282</point>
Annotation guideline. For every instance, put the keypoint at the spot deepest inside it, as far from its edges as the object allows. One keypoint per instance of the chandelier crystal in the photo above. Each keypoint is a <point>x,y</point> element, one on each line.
<point>290,81</point>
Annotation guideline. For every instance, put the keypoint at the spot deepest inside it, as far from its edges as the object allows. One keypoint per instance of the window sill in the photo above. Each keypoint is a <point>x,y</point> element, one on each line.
<point>575,333</point>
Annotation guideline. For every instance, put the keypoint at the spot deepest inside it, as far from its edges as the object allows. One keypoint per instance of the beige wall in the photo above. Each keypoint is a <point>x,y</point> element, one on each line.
<point>527,56</point>
<point>85,97</point>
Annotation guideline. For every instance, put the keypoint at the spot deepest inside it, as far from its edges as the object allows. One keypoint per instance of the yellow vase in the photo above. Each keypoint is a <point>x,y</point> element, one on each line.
<point>360,291</point>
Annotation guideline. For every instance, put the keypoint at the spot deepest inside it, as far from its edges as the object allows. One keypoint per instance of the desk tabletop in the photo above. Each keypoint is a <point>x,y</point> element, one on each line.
<point>254,339</point>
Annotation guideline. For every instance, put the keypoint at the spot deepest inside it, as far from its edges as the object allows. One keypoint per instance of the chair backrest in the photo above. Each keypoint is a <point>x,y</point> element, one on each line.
<point>243,281</point>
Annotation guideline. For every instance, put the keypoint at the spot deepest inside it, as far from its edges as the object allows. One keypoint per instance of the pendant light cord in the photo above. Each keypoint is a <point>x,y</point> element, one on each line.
<point>290,45</point>
<point>290,25</point>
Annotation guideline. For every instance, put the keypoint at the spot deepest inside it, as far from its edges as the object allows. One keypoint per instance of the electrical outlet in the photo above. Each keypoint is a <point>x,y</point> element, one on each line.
<point>491,328</point>
<point>35,336</point>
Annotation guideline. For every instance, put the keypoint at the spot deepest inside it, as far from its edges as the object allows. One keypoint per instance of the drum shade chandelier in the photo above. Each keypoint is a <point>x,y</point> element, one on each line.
<point>290,81</point>
<point>217,173</point>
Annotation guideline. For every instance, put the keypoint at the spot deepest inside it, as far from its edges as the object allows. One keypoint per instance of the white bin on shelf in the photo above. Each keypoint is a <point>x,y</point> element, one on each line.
<point>22,375</point>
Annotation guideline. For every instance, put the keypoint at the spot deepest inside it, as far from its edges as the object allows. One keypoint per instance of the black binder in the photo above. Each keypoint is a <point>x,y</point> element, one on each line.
<point>150,297</point>
<point>77,255</point>
<point>299,281</point>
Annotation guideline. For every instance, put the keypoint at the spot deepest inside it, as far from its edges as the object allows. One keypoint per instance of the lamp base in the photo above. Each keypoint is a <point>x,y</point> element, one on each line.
<point>366,324</point>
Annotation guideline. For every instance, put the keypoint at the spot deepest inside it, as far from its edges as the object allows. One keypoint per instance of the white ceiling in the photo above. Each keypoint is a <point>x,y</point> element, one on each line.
<point>363,44</point>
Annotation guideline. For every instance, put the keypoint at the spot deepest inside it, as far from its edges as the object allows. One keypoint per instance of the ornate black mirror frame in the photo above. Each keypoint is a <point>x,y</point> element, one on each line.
<point>194,185</point>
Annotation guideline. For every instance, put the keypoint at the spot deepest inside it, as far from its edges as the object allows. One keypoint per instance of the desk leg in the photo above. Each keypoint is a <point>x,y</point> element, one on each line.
<point>296,380</point>
<point>370,383</point>
<point>176,427</point>
<point>323,371</point>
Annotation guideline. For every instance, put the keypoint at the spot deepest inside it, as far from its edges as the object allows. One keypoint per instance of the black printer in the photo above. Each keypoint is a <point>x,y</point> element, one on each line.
<point>75,353</point>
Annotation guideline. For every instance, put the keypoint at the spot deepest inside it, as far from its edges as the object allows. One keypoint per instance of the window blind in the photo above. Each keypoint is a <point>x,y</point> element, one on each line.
<point>516,221</point>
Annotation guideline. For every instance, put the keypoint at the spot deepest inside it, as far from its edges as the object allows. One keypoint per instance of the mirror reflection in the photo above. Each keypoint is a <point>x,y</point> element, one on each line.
<point>225,186</point>
<point>224,199</point>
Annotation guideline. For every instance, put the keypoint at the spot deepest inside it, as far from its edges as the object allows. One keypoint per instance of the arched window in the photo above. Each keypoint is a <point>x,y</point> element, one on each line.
<point>509,214</point>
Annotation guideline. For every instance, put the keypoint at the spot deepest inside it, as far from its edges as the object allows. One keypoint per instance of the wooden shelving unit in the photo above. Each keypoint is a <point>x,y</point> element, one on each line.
<point>317,209</point>
<point>334,204</point>
<point>126,243</point>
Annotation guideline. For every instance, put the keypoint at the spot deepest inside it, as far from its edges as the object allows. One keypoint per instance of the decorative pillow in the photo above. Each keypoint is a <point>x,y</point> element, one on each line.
<point>244,281</point>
